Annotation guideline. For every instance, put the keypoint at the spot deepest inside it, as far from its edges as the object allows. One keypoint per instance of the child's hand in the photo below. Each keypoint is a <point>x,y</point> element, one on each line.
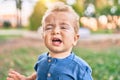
<point>13,75</point>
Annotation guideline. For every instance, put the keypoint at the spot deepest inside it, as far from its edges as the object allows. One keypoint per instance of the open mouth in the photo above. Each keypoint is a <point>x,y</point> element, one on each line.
<point>56,41</point>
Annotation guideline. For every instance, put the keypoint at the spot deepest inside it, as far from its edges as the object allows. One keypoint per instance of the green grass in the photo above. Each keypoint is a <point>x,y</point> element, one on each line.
<point>103,31</point>
<point>21,60</point>
<point>4,38</point>
<point>105,64</point>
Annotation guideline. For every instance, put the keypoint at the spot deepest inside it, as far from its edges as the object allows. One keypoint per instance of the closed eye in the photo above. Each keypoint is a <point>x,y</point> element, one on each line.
<point>65,27</point>
<point>48,27</point>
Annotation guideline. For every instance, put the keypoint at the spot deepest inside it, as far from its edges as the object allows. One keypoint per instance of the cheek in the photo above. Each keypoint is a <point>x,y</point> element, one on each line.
<point>69,38</point>
<point>46,38</point>
<point>45,35</point>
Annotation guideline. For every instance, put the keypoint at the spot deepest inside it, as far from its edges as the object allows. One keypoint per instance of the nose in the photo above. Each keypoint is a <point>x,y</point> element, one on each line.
<point>56,30</point>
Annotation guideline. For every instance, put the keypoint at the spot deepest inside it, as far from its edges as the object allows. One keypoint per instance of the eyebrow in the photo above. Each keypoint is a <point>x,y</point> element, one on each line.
<point>64,23</point>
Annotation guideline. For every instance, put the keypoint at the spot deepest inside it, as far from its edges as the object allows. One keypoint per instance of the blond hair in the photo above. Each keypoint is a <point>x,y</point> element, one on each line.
<point>61,7</point>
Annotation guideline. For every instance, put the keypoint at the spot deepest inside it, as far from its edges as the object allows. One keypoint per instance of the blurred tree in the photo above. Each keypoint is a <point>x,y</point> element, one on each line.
<point>116,7</point>
<point>39,10</point>
<point>116,2</point>
<point>100,3</point>
<point>35,19</point>
<point>6,24</point>
<point>106,7</point>
<point>78,6</point>
<point>101,7</point>
<point>87,2</point>
<point>19,4</point>
<point>19,7</point>
<point>104,11</point>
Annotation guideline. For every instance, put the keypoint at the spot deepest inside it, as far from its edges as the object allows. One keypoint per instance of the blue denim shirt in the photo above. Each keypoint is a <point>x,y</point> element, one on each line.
<point>69,68</point>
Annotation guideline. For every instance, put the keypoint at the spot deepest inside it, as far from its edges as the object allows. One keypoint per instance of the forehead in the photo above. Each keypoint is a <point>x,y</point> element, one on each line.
<point>59,16</point>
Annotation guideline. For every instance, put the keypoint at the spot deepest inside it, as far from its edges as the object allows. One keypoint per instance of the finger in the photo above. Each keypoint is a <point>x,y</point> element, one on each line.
<point>9,78</point>
<point>15,73</point>
<point>13,76</point>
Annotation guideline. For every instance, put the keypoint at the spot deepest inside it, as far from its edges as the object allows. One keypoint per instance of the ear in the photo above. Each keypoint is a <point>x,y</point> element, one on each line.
<point>76,38</point>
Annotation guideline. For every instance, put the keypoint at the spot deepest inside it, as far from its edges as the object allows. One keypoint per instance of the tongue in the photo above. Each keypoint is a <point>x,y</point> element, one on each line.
<point>56,43</point>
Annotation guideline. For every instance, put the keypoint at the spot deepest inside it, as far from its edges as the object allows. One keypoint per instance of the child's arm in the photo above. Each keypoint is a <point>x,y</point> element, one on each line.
<point>32,77</point>
<point>13,75</point>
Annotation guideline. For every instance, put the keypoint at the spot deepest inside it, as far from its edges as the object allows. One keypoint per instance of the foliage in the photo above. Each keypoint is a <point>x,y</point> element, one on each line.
<point>40,8</point>
<point>79,7</point>
<point>118,11</point>
<point>103,31</point>
<point>6,24</point>
<point>18,4</point>
<point>104,11</point>
<point>35,19</point>
<point>107,10</point>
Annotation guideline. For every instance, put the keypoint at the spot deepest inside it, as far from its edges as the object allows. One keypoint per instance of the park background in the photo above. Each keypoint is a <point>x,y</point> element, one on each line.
<point>21,41</point>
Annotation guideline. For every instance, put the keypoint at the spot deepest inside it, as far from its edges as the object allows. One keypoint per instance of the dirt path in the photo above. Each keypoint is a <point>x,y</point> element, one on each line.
<point>33,39</point>
<point>19,43</point>
<point>12,44</point>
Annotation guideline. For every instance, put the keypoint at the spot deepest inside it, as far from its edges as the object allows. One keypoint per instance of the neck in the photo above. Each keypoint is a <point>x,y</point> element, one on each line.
<point>59,55</point>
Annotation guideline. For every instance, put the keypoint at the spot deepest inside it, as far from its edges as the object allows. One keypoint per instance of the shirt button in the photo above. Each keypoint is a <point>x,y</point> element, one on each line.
<point>49,60</point>
<point>49,75</point>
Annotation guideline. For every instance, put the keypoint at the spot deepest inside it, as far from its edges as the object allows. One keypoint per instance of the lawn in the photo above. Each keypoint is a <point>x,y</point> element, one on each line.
<point>4,38</point>
<point>105,63</point>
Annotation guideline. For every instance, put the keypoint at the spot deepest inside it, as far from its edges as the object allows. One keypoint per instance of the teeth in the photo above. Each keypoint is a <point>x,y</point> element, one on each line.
<point>57,40</point>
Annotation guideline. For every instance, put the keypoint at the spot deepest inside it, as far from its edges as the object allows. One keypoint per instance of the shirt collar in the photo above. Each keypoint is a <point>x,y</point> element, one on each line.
<point>71,56</point>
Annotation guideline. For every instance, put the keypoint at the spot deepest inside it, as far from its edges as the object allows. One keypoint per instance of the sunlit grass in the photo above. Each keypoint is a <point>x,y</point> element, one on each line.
<point>6,37</point>
<point>103,31</point>
<point>105,64</point>
<point>22,60</point>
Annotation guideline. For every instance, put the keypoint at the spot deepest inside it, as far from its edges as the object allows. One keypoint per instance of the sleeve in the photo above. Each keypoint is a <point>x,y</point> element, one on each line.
<point>35,67</point>
<point>87,75</point>
<point>36,64</point>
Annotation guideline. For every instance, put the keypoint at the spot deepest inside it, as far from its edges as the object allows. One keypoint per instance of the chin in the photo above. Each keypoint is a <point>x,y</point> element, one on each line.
<point>56,51</point>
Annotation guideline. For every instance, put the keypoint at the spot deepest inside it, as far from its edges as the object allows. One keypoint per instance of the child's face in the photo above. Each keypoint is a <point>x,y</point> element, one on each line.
<point>58,32</point>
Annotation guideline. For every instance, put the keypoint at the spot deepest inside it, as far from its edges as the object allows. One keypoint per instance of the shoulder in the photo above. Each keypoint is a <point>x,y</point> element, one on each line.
<point>82,67</point>
<point>43,55</point>
<point>81,63</point>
